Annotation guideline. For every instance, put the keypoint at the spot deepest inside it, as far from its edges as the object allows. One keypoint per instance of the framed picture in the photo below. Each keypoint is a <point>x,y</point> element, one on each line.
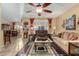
<point>71,23</point>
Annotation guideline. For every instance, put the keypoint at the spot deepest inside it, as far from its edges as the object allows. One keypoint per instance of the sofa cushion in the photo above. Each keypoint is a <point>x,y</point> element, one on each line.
<point>69,36</point>
<point>65,35</point>
<point>73,36</point>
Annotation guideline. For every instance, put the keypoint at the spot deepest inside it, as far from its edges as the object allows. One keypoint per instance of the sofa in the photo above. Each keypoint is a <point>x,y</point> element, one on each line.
<point>65,39</point>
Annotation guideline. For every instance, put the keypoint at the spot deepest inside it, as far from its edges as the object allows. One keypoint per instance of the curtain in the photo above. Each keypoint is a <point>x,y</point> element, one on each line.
<point>49,21</point>
<point>31,21</point>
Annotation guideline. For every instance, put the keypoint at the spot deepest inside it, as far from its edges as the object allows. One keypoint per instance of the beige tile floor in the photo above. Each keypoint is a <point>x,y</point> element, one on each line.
<point>13,48</point>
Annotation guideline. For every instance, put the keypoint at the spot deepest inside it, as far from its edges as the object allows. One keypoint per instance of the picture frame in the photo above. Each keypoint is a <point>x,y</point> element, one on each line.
<point>71,23</point>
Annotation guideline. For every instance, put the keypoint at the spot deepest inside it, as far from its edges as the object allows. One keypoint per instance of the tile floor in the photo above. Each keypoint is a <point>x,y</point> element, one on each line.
<point>13,48</point>
<point>18,43</point>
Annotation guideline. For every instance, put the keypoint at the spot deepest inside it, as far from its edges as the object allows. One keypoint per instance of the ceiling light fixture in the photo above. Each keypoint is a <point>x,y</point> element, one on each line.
<point>39,9</point>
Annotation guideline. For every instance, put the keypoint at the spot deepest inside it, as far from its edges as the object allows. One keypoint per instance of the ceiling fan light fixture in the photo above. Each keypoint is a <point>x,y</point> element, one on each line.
<point>39,9</point>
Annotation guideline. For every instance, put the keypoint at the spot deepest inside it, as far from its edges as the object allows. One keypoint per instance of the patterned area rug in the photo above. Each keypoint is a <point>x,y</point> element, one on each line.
<point>29,50</point>
<point>50,52</point>
<point>25,50</point>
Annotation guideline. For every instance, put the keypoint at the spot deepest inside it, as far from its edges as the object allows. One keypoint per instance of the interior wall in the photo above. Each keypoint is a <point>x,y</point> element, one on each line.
<point>64,16</point>
<point>53,25</point>
<point>1,32</point>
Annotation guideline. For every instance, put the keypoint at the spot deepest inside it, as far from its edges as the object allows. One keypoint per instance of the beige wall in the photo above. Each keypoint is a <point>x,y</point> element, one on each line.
<point>70,12</point>
<point>53,25</point>
<point>1,32</point>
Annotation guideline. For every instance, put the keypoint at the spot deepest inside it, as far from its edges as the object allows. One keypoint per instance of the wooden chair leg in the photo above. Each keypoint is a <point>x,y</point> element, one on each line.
<point>4,40</point>
<point>9,40</point>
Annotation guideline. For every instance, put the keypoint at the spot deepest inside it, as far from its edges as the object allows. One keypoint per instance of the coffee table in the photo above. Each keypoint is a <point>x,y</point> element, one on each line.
<point>41,43</point>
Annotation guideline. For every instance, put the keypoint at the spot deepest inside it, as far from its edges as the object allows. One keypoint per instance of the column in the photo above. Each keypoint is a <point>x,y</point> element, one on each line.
<point>1,32</point>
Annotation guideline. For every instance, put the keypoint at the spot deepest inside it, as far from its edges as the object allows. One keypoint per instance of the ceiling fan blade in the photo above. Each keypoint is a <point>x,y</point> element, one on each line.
<point>47,11</point>
<point>32,4</point>
<point>29,11</point>
<point>46,4</point>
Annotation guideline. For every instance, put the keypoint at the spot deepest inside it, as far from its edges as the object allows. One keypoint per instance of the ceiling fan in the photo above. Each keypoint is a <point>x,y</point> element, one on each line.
<point>40,8</point>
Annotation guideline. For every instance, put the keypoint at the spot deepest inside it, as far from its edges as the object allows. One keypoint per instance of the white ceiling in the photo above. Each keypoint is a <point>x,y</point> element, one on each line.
<point>15,11</point>
<point>56,8</point>
<point>12,11</point>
